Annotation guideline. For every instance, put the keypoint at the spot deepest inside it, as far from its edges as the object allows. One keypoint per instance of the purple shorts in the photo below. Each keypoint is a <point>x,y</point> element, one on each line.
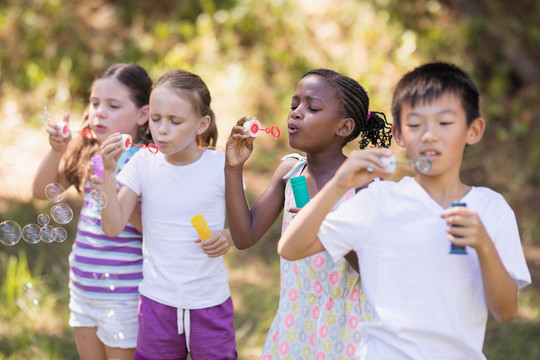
<point>211,332</point>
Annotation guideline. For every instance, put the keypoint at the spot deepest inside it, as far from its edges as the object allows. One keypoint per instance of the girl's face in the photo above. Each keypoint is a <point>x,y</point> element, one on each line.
<point>112,110</point>
<point>315,116</point>
<point>174,125</point>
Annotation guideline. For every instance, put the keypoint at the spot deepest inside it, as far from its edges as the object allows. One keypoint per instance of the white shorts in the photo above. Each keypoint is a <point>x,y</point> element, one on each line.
<point>116,320</point>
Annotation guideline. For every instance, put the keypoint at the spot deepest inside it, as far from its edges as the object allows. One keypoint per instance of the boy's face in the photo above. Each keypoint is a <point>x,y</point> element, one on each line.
<point>438,131</point>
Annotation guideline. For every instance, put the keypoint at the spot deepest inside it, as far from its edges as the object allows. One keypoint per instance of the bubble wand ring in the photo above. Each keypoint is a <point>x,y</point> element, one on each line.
<point>423,164</point>
<point>254,128</point>
<point>127,143</point>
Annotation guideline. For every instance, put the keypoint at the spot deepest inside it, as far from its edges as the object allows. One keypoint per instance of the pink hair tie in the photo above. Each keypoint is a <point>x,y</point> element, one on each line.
<point>368,115</point>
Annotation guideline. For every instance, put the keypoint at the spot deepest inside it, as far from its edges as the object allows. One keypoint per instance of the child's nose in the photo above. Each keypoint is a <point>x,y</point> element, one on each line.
<point>430,133</point>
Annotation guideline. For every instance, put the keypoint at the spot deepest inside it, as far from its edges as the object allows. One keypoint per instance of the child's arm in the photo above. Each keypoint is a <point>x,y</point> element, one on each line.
<point>247,225</point>
<point>300,240</point>
<point>120,206</point>
<point>51,170</point>
<point>466,229</point>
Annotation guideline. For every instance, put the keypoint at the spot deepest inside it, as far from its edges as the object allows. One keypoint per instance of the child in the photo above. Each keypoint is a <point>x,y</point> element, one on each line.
<point>429,304</point>
<point>185,302</point>
<point>319,306</point>
<point>104,272</point>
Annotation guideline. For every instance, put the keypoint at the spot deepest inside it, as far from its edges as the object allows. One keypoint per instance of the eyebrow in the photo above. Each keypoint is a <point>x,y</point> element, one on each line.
<point>444,111</point>
<point>312,98</point>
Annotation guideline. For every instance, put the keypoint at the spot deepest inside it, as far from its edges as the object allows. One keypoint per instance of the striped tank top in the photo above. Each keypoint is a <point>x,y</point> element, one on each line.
<point>100,266</point>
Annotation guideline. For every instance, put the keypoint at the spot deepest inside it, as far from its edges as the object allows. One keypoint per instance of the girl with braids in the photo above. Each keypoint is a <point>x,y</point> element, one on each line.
<point>104,272</point>
<point>186,304</point>
<point>321,302</point>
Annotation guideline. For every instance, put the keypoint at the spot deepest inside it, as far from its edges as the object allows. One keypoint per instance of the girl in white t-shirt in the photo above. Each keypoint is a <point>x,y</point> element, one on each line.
<point>185,304</point>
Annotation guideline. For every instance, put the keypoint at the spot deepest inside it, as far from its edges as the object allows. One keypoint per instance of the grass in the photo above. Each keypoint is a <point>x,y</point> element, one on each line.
<point>34,300</point>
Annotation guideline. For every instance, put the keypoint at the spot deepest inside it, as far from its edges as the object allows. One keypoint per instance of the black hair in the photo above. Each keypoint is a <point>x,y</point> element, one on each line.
<point>429,82</point>
<point>355,103</point>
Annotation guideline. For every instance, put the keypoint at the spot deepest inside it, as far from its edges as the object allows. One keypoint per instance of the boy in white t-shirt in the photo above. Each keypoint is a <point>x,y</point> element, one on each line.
<point>429,303</point>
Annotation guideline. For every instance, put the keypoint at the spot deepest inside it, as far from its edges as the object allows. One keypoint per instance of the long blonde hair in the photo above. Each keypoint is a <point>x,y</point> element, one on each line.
<point>196,92</point>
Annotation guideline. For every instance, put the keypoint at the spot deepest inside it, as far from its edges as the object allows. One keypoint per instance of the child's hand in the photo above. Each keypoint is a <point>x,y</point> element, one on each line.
<point>217,245</point>
<point>239,145</point>
<point>57,141</point>
<point>96,182</point>
<point>465,228</point>
<point>111,149</point>
<point>361,167</point>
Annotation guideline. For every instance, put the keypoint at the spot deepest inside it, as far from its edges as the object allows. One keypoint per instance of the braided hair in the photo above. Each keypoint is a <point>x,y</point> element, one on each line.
<point>373,126</point>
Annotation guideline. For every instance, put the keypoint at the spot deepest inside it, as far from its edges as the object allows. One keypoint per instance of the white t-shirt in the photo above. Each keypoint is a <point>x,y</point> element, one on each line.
<point>176,272</point>
<point>429,304</point>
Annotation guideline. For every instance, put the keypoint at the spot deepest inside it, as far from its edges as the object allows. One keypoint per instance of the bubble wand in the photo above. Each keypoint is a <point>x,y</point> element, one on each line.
<point>254,128</point>
<point>423,164</point>
<point>127,143</point>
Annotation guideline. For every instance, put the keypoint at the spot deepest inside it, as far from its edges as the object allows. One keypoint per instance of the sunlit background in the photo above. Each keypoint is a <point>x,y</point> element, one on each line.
<point>251,53</point>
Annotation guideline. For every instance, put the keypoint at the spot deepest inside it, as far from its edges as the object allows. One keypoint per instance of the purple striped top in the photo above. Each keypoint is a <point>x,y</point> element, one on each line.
<point>101,266</point>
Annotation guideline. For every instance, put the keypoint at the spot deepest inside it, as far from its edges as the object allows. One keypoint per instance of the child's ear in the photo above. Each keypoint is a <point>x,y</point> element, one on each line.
<point>475,131</point>
<point>204,124</point>
<point>396,135</point>
<point>346,127</point>
<point>143,115</point>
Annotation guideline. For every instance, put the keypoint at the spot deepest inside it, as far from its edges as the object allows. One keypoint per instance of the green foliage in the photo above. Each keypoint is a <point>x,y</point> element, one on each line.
<point>252,53</point>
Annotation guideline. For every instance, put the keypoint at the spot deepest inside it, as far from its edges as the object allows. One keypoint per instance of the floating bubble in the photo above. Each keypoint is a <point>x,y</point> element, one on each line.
<point>11,154</point>
<point>99,197</point>
<point>59,234</point>
<point>31,297</point>
<point>55,192</point>
<point>62,213</point>
<point>46,234</point>
<point>115,324</point>
<point>43,219</point>
<point>10,232</point>
<point>45,116</point>
<point>31,233</point>
<point>109,280</point>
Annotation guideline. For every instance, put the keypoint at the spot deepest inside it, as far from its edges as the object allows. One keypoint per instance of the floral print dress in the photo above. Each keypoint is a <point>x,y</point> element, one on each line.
<point>321,302</point>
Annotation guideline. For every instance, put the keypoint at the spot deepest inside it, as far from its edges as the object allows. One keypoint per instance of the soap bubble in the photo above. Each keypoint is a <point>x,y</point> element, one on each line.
<point>46,234</point>
<point>99,197</point>
<point>59,234</point>
<point>62,213</point>
<point>31,233</point>
<point>115,324</point>
<point>43,219</point>
<point>109,280</point>
<point>11,154</point>
<point>31,297</point>
<point>423,165</point>
<point>10,232</point>
<point>45,116</point>
<point>55,192</point>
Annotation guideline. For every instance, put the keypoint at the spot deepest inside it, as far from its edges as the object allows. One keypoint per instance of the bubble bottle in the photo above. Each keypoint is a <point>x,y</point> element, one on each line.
<point>199,224</point>
<point>456,249</point>
<point>300,191</point>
